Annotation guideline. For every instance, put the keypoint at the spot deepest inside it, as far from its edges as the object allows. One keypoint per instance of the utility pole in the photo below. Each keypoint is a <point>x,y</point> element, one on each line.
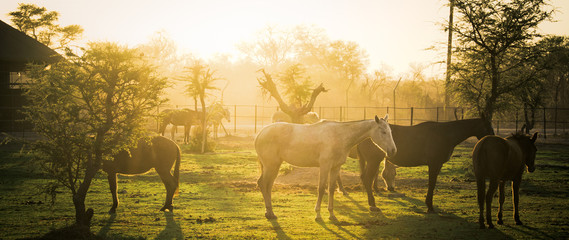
<point>449,56</point>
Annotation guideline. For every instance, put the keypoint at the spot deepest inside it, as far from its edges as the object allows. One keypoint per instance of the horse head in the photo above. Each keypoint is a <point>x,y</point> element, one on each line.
<point>382,137</point>
<point>484,129</point>
<point>528,146</point>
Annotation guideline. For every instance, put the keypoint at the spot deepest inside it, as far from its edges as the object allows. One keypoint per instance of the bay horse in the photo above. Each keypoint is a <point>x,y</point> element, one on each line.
<point>427,143</point>
<point>179,117</point>
<point>159,153</point>
<point>500,159</point>
<point>324,144</point>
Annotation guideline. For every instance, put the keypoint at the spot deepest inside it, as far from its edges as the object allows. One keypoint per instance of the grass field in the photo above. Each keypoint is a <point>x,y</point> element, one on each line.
<point>219,199</point>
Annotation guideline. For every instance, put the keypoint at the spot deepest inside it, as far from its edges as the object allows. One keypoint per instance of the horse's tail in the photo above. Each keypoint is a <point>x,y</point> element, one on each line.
<point>177,171</point>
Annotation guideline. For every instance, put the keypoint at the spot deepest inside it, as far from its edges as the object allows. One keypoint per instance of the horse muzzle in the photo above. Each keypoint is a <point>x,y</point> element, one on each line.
<point>391,152</point>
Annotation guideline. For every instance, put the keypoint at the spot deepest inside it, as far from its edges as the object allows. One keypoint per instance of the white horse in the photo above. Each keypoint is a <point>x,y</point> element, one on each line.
<point>325,144</point>
<point>280,116</point>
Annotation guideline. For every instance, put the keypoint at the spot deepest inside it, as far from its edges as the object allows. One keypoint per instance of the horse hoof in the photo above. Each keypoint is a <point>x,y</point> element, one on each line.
<point>169,208</point>
<point>490,226</point>
<point>318,219</point>
<point>333,218</point>
<point>391,189</point>
<point>431,211</point>
<point>500,222</point>
<point>374,209</point>
<point>112,211</point>
<point>270,216</point>
<point>519,223</point>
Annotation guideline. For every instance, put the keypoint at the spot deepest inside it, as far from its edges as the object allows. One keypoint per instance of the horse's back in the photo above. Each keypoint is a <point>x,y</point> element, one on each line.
<point>159,152</point>
<point>489,157</point>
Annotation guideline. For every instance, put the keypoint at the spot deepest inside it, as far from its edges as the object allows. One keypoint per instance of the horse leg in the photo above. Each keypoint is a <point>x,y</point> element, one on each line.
<point>370,173</point>
<point>434,171</point>
<point>265,183</point>
<point>516,196</point>
<point>489,195</point>
<point>173,132</point>
<point>112,177</point>
<point>481,187</point>
<point>321,190</point>
<point>502,198</point>
<point>187,133</point>
<point>334,172</point>
<point>170,184</point>
<point>388,175</point>
<point>341,185</point>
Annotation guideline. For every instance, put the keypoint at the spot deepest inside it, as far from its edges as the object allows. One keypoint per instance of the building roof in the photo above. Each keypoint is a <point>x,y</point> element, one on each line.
<point>17,48</point>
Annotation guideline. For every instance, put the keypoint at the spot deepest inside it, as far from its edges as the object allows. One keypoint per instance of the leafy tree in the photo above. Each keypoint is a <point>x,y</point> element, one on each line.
<point>489,32</point>
<point>201,79</point>
<point>40,24</point>
<point>86,110</point>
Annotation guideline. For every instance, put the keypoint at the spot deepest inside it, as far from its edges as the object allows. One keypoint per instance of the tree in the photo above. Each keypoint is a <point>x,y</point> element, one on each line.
<point>40,24</point>
<point>488,32</point>
<point>297,93</point>
<point>201,78</point>
<point>272,48</point>
<point>87,109</point>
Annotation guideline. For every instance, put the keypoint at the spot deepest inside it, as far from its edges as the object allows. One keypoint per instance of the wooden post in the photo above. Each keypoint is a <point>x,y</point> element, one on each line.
<point>437,114</point>
<point>235,119</point>
<point>411,116</point>
<point>340,113</point>
<point>364,113</point>
<point>544,125</point>
<point>516,121</point>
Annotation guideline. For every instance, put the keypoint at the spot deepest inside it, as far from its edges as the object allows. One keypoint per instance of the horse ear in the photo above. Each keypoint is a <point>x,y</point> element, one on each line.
<point>376,119</point>
<point>534,137</point>
<point>386,117</point>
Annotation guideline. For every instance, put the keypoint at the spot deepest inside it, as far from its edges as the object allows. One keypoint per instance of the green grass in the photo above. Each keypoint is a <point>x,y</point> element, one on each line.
<point>219,199</point>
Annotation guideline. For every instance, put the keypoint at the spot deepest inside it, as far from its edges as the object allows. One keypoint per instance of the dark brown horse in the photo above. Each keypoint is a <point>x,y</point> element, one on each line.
<point>500,159</point>
<point>428,143</point>
<point>159,153</point>
<point>179,117</point>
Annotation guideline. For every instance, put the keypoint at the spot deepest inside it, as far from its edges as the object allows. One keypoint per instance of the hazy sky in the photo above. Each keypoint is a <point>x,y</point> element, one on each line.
<point>395,33</point>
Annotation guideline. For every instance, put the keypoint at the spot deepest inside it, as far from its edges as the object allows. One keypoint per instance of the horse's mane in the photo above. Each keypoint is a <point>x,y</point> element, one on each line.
<point>519,135</point>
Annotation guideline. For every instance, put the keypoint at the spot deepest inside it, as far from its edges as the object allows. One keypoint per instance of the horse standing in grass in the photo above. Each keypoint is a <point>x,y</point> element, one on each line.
<point>159,153</point>
<point>324,144</point>
<point>428,143</point>
<point>179,117</point>
<point>501,159</point>
<point>216,113</point>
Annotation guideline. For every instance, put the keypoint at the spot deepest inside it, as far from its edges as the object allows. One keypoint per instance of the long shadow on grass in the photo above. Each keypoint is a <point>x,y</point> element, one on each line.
<point>172,230</point>
<point>411,221</point>
<point>277,227</point>
<point>105,229</point>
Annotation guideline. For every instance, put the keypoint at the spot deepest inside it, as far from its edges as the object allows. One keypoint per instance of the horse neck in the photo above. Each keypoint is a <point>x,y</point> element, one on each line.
<point>460,130</point>
<point>355,132</point>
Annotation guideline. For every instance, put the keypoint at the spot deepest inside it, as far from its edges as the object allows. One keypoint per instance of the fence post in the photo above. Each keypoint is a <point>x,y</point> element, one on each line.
<point>340,113</point>
<point>555,121</point>
<point>497,127</point>
<point>437,114</point>
<point>364,113</point>
<point>516,130</point>
<point>411,116</point>
<point>235,119</point>
<point>544,125</point>
<point>255,118</point>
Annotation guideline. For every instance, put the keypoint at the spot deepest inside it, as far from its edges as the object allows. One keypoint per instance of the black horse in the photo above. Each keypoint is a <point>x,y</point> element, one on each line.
<point>428,143</point>
<point>501,159</point>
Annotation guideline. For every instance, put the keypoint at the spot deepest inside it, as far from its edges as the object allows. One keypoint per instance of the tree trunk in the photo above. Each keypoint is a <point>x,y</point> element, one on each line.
<point>82,216</point>
<point>204,124</point>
